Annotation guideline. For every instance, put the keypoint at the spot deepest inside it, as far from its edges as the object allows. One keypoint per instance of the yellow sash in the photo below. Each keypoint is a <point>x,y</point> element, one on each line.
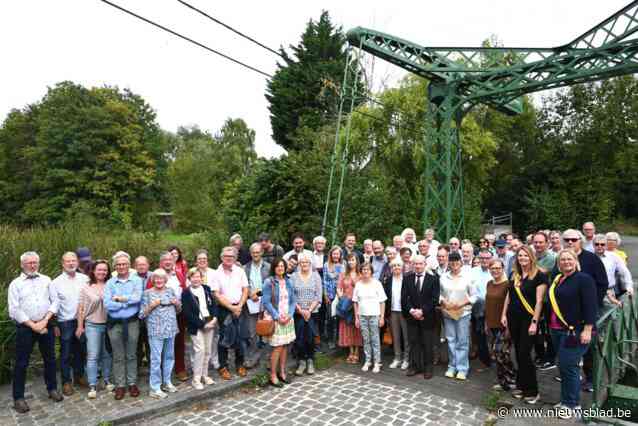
<point>517,287</point>
<point>552,300</point>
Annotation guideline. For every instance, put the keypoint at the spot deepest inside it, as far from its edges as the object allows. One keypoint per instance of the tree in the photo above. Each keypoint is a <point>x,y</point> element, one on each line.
<point>96,149</point>
<point>304,91</point>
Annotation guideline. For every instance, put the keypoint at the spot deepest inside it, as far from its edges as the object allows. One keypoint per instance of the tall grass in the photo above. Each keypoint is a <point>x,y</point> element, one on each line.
<point>52,242</point>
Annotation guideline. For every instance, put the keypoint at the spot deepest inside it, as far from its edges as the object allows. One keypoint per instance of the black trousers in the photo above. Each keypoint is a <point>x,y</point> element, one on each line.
<point>523,343</point>
<point>25,339</point>
<point>421,338</point>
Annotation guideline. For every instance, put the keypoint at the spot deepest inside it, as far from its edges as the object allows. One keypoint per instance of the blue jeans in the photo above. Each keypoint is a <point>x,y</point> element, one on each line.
<point>457,333</point>
<point>305,341</point>
<point>162,360</point>
<point>97,355</point>
<point>71,347</point>
<point>568,359</point>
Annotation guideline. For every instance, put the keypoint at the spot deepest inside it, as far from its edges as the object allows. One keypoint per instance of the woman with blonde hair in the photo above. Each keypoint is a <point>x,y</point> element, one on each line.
<point>521,314</point>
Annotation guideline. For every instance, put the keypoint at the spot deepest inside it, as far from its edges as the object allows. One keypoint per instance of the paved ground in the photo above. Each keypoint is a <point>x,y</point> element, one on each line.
<point>332,397</point>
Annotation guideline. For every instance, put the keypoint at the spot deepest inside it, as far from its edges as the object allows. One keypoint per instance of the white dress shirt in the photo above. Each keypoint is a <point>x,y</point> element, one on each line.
<point>65,294</point>
<point>29,298</point>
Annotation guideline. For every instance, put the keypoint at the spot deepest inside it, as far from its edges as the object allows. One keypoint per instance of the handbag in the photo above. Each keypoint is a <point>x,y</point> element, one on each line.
<point>265,326</point>
<point>387,337</point>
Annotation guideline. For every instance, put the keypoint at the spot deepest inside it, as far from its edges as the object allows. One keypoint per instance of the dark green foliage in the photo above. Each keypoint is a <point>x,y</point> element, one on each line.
<point>304,90</point>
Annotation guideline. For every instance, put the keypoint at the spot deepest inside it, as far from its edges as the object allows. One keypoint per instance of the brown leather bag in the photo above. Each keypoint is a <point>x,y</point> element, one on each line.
<point>266,325</point>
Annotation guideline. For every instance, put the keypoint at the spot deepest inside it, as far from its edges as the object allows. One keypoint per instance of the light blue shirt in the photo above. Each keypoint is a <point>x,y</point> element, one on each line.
<point>255,276</point>
<point>377,266</point>
<point>131,288</point>
<point>480,278</point>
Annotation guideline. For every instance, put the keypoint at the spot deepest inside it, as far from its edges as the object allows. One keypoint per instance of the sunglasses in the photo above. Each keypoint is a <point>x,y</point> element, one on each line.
<point>599,244</point>
<point>570,240</point>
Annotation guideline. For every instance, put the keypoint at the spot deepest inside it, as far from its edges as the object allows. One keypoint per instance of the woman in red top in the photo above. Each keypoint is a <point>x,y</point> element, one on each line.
<point>349,334</point>
<point>181,270</point>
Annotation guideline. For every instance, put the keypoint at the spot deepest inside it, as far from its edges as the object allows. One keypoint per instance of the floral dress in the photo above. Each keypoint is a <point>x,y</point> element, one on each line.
<point>349,335</point>
<point>284,334</point>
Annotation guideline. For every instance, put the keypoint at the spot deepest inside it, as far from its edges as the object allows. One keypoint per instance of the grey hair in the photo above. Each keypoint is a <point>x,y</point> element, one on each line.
<point>228,249</point>
<point>600,237</point>
<point>397,261</point>
<point>159,273</point>
<point>406,231</point>
<point>303,256</point>
<point>318,239</point>
<point>253,246</point>
<point>26,254</point>
<point>69,253</point>
<point>577,232</point>
<point>120,254</point>
<point>614,236</point>
<point>200,252</point>
<point>234,237</point>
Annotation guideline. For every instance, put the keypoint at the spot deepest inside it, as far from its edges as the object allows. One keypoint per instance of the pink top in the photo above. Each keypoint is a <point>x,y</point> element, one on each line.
<point>347,285</point>
<point>283,298</point>
<point>230,283</point>
<point>554,322</point>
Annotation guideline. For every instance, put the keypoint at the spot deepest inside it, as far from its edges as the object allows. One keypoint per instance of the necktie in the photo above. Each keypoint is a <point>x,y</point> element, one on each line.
<point>419,282</point>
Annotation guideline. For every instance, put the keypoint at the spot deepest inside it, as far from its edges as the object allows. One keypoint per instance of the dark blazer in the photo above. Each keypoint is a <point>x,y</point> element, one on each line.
<point>190,309</point>
<point>426,300</point>
<point>577,300</point>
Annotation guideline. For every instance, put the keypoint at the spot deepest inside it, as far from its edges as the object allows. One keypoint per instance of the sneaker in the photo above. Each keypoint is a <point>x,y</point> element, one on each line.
<point>395,364</point>
<point>197,384</point>
<point>532,399</point>
<point>109,386</point>
<point>405,365</point>
<point>92,392</point>
<point>498,387</point>
<point>546,366</point>
<point>311,367</point>
<point>517,393</point>
<point>449,374</point>
<point>168,387</point>
<point>208,380</point>
<point>366,366</point>
<point>461,376</point>
<point>588,387</point>
<point>376,368</point>
<point>158,394</point>
<point>301,368</point>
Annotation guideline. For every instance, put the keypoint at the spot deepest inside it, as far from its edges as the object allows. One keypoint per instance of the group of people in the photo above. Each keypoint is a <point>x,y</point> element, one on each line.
<point>542,297</point>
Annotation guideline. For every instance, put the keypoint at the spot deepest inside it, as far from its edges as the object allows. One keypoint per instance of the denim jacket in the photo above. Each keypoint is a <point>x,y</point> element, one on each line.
<point>267,298</point>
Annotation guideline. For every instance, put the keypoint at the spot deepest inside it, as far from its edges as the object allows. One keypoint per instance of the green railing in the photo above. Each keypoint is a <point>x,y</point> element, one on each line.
<point>615,355</point>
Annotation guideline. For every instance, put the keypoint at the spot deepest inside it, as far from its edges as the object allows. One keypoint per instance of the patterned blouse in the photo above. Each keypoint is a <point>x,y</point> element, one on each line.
<point>330,279</point>
<point>307,292</point>
<point>162,321</point>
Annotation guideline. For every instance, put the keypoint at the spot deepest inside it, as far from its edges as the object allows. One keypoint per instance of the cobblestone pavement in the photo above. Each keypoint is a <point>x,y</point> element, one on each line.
<point>79,410</point>
<point>331,397</point>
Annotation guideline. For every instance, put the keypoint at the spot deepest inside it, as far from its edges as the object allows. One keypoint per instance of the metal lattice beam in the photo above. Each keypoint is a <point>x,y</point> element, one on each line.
<point>462,77</point>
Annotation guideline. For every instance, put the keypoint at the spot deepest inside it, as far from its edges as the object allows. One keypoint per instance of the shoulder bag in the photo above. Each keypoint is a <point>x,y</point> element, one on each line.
<point>265,326</point>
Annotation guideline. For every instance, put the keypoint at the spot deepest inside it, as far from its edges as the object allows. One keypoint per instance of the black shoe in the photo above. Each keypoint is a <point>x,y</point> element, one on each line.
<point>55,396</point>
<point>20,405</point>
<point>412,372</point>
<point>285,380</point>
<point>276,384</point>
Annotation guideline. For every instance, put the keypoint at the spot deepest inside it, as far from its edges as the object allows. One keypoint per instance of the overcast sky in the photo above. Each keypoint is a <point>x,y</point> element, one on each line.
<point>88,42</point>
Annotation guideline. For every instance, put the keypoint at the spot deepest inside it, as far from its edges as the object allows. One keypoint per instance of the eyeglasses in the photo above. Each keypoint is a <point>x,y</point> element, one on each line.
<point>495,268</point>
<point>599,244</point>
<point>570,240</point>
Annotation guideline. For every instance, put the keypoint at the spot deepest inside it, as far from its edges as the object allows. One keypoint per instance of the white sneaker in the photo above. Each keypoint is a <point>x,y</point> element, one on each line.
<point>405,365</point>
<point>168,387</point>
<point>449,374</point>
<point>92,393</point>
<point>110,387</point>
<point>158,394</point>
<point>301,368</point>
<point>208,380</point>
<point>198,385</point>
<point>396,363</point>
<point>311,367</point>
<point>377,367</point>
<point>366,366</point>
<point>461,376</point>
<point>532,399</point>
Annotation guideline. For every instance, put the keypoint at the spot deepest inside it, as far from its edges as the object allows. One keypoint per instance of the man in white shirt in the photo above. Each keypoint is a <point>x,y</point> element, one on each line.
<point>65,295</point>
<point>31,308</point>
<point>618,274</point>
<point>230,288</point>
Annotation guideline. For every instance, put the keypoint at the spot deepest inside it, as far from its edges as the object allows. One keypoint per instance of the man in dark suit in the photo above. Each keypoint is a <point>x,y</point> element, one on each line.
<point>419,296</point>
